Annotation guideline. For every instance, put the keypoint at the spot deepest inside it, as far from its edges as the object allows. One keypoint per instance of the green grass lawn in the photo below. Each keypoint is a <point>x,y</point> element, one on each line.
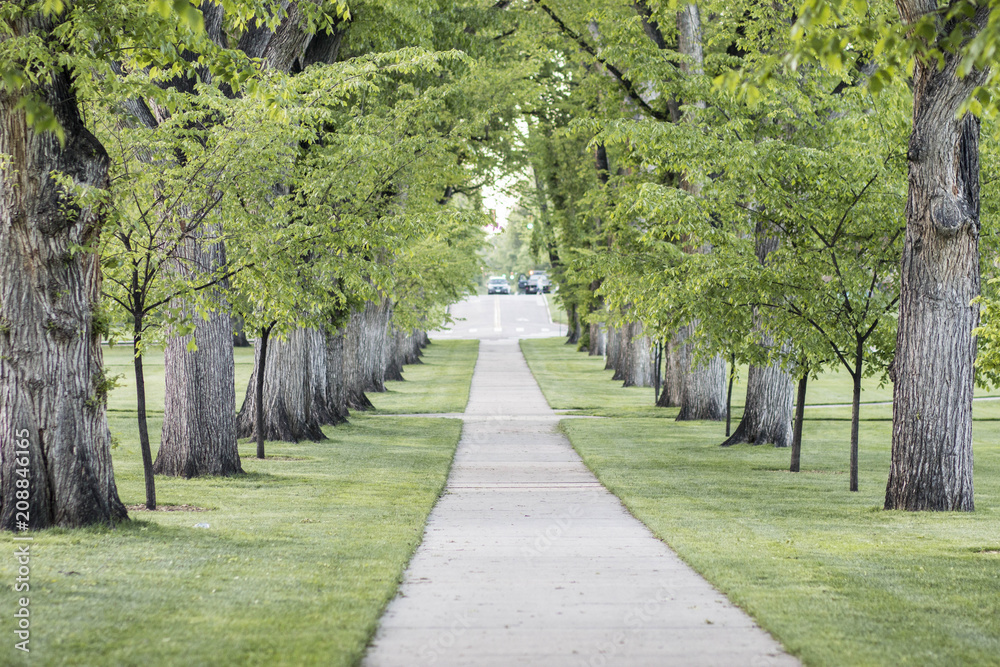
<point>581,384</point>
<point>301,555</point>
<point>556,311</point>
<point>439,384</point>
<point>835,578</point>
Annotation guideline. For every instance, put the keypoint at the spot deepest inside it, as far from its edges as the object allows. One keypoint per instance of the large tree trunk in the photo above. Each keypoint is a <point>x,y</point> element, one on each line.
<point>295,382</point>
<point>354,384</point>
<point>336,396</point>
<point>931,465</point>
<point>53,422</point>
<point>573,325</point>
<point>199,417</point>
<point>598,340</point>
<point>703,394</point>
<point>413,350</point>
<point>638,366</point>
<point>239,332</point>
<point>674,371</point>
<point>767,413</point>
<point>373,345</point>
<point>397,355</point>
<point>199,427</point>
<point>612,350</point>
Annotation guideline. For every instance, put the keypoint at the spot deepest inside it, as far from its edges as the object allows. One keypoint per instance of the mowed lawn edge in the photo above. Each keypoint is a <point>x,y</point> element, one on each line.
<point>447,367</point>
<point>830,574</point>
<point>291,563</point>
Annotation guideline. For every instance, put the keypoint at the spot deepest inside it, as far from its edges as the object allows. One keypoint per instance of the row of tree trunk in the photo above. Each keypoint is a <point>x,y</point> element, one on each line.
<point>696,386</point>
<point>312,379</point>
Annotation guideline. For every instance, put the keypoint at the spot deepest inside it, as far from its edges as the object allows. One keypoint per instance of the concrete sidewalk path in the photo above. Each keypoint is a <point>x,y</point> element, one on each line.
<point>528,560</point>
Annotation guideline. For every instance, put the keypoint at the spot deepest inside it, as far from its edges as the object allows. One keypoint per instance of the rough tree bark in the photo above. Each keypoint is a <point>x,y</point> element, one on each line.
<point>199,424</point>
<point>638,367</point>
<point>199,416</point>
<point>336,396</point>
<point>373,346</point>
<point>354,385</point>
<point>612,359</point>
<point>397,355</point>
<point>573,328</point>
<point>767,413</point>
<point>413,350</point>
<point>931,466</point>
<point>295,396</point>
<point>673,374</point>
<point>598,340</point>
<point>53,422</point>
<point>703,392</point>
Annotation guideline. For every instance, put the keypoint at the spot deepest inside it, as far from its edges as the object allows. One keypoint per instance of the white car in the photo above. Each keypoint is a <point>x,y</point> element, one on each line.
<point>497,285</point>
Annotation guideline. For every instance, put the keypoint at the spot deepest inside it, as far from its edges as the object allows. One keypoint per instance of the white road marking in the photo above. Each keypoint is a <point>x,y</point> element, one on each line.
<point>545,329</point>
<point>496,314</point>
<point>519,329</point>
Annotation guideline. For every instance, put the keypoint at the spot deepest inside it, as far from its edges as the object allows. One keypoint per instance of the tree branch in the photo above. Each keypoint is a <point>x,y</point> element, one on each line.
<point>623,80</point>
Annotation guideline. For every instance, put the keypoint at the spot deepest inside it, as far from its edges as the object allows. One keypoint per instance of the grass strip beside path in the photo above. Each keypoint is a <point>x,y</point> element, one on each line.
<point>440,384</point>
<point>300,555</point>
<point>834,577</point>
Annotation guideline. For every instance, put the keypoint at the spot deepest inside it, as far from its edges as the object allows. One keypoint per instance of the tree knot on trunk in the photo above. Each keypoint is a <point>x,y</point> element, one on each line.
<point>61,330</point>
<point>950,214</point>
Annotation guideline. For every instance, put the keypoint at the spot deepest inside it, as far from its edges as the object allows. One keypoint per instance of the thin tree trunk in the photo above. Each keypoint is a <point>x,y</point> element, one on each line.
<point>265,334</point>
<point>931,466</point>
<point>657,377</point>
<point>729,393</point>
<point>800,410</point>
<point>140,393</point>
<point>856,412</point>
<point>53,415</point>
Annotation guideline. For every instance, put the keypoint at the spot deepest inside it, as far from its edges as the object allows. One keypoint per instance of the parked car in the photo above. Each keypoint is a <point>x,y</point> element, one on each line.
<point>497,285</point>
<point>538,282</point>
